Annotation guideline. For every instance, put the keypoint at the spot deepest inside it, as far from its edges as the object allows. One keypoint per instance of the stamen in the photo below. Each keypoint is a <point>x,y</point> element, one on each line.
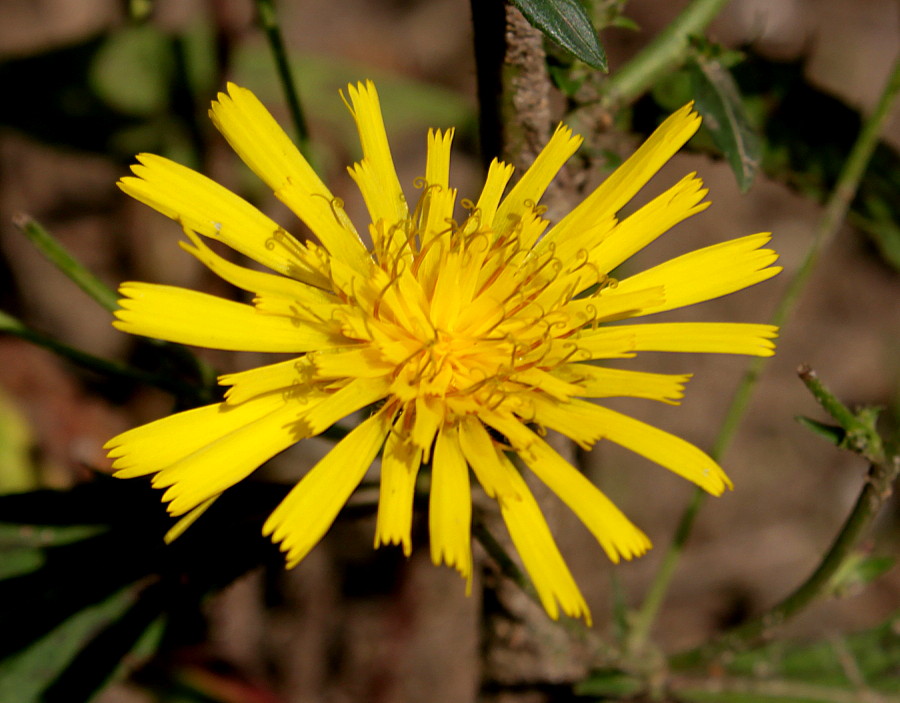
<point>420,257</point>
<point>380,296</point>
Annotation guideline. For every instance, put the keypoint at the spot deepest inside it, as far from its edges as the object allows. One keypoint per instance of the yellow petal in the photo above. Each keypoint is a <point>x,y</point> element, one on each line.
<point>436,226</point>
<point>529,532</point>
<point>715,337</point>
<point>604,343</point>
<point>575,418</point>
<point>632,234</point>
<point>498,176</point>
<point>586,423</point>
<point>450,506</point>
<point>707,273</point>
<point>480,451</point>
<point>382,192</point>
<point>156,445</point>
<point>615,533</point>
<point>258,282</point>
<point>188,317</point>
<point>600,382</point>
<point>547,382</point>
<point>674,453</point>
<point>614,304</point>
<point>399,466</point>
<point>437,162</point>
<point>185,522</point>
<point>428,418</point>
<point>229,459</point>
<point>355,362</point>
<point>279,377</point>
<point>354,396</point>
<point>631,176</point>
<point>525,195</point>
<point>307,512</point>
<point>202,205</point>
<point>262,144</point>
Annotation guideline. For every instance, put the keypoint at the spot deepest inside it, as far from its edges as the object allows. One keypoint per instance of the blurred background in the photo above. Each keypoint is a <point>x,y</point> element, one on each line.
<point>86,86</point>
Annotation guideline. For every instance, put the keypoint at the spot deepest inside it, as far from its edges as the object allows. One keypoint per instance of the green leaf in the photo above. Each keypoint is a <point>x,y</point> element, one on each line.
<point>133,71</point>
<point>91,595</point>
<point>832,433</point>
<point>20,561</point>
<point>36,536</point>
<point>121,646</point>
<point>612,683</point>
<point>808,695</point>
<point>564,80</point>
<point>623,22</point>
<point>719,101</point>
<point>808,134</point>
<point>857,571</point>
<point>17,470</point>
<point>878,222</point>
<point>875,653</point>
<point>25,675</point>
<point>567,23</point>
<point>22,547</point>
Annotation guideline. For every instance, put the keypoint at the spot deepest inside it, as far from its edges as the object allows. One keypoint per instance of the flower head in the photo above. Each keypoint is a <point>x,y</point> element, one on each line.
<point>465,337</point>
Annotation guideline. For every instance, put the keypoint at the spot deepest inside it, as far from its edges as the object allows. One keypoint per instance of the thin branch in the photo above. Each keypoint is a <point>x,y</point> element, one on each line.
<point>11,325</point>
<point>873,495</point>
<point>498,553</point>
<point>664,54</point>
<point>828,226</point>
<point>60,257</point>
<point>269,21</point>
<point>739,688</point>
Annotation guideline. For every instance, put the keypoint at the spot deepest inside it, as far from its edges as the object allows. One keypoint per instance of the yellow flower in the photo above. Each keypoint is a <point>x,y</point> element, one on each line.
<point>465,338</point>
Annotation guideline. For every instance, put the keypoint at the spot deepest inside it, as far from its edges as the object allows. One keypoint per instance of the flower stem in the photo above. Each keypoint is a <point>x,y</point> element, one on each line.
<point>108,298</point>
<point>269,21</point>
<point>507,566</point>
<point>60,257</point>
<point>829,224</point>
<point>662,55</point>
<point>15,327</point>
<point>875,492</point>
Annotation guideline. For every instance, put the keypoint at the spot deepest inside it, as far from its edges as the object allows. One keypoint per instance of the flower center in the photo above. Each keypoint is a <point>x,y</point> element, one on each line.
<point>468,315</point>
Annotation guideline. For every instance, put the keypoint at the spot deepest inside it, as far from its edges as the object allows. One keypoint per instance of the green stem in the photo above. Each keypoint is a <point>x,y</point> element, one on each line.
<point>508,567</point>
<point>644,618</point>
<point>662,55</point>
<point>826,229</point>
<point>269,21</point>
<point>876,491</point>
<point>108,298</point>
<point>15,327</point>
<point>60,257</point>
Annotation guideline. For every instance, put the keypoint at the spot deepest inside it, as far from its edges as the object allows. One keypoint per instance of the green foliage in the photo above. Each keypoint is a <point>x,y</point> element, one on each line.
<point>858,571</point>
<point>611,684</point>
<point>66,110</point>
<point>42,672</point>
<point>133,70</point>
<point>92,580</point>
<point>719,101</point>
<point>833,434</point>
<point>806,135</point>
<point>17,471</point>
<point>859,426</point>
<point>874,653</point>
<point>566,23</point>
